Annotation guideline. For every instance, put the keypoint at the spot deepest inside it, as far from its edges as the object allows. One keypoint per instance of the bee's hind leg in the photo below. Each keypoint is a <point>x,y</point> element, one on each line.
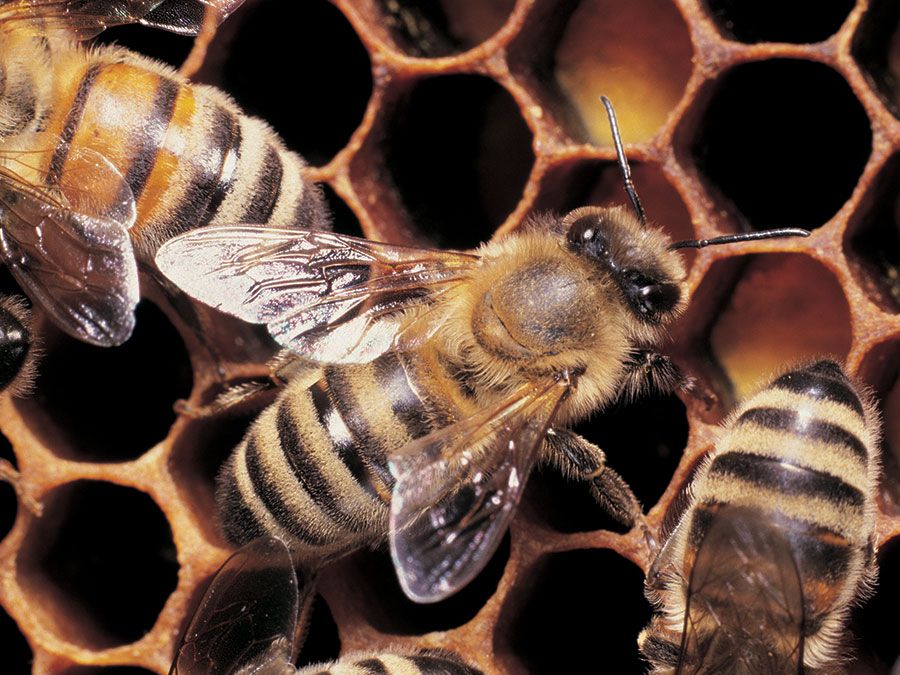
<point>577,457</point>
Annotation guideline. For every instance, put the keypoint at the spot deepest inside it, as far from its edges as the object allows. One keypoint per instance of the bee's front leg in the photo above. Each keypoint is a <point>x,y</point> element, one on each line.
<point>577,457</point>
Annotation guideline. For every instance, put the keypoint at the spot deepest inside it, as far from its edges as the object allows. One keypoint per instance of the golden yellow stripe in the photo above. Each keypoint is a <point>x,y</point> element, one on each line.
<point>158,192</point>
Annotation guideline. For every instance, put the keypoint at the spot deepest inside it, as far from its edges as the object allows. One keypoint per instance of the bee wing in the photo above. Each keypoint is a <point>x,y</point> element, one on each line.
<point>329,297</point>
<point>247,616</point>
<point>745,609</point>
<point>457,489</point>
<point>70,250</point>
<point>86,18</point>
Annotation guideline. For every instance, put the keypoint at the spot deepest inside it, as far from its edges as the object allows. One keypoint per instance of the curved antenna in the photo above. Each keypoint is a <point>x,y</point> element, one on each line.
<point>745,236</point>
<point>623,162</point>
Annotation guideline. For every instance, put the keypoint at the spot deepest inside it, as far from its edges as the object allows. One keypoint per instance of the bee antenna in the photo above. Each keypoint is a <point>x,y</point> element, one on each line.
<point>745,236</point>
<point>623,162</point>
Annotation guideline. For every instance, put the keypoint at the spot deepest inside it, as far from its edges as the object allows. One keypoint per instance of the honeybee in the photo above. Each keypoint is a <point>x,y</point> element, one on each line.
<point>104,154</point>
<point>448,375</point>
<point>778,539</point>
<point>249,620</point>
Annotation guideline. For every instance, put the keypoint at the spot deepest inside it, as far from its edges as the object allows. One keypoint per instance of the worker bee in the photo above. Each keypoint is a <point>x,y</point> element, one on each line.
<point>778,539</point>
<point>104,154</point>
<point>447,376</point>
<point>250,620</point>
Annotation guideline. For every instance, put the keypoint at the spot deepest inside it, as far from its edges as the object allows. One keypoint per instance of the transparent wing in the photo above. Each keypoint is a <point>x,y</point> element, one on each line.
<point>331,298</point>
<point>247,617</point>
<point>457,490</point>
<point>70,250</point>
<point>86,18</point>
<point>745,600</point>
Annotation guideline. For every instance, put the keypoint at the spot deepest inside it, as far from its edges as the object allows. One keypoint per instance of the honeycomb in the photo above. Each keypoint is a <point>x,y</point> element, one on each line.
<point>448,122</point>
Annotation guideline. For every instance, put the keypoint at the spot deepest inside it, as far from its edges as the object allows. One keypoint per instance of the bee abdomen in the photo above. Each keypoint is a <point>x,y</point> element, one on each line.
<point>190,156</point>
<point>425,662</point>
<point>823,380</point>
<point>312,470</point>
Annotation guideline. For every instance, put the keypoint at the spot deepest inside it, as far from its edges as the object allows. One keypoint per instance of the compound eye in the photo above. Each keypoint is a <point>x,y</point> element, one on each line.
<point>650,297</point>
<point>659,298</point>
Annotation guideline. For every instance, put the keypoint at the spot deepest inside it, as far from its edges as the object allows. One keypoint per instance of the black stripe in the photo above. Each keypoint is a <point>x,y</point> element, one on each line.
<point>302,464</point>
<point>826,368</point>
<point>238,523</point>
<point>820,386</point>
<point>780,419</point>
<point>372,666</point>
<point>73,119</point>
<point>347,449</point>
<point>229,173</point>
<point>820,553</point>
<point>405,403</point>
<point>264,195</point>
<point>20,106</point>
<point>204,171</point>
<point>311,212</point>
<point>369,446</point>
<point>441,665</point>
<point>152,135</point>
<point>267,491</point>
<point>781,476</point>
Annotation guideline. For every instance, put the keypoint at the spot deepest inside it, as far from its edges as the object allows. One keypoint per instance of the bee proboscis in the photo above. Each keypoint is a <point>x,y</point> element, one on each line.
<point>447,376</point>
<point>778,539</point>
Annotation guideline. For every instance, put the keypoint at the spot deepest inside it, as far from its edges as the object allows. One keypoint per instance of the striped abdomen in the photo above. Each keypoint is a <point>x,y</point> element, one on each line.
<point>801,453</point>
<point>312,469</point>
<point>424,662</point>
<point>188,153</point>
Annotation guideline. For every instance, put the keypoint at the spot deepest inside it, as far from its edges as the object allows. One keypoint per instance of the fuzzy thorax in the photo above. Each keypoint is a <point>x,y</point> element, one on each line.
<point>533,309</point>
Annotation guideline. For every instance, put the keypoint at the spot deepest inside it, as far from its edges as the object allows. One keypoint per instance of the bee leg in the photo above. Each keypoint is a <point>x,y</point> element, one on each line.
<point>579,458</point>
<point>232,399</point>
<point>283,368</point>
<point>647,369</point>
<point>14,478</point>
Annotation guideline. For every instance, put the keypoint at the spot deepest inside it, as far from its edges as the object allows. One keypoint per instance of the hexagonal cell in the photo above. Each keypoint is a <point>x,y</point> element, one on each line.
<point>99,565</point>
<point>874,239</point>
<point>388,610</point>
<point>460,155</point>
<point>874,623</point>
<point>762,158</point>
<point>17,655</point>
<point>876,47</point>
<point>429,28</point>
<point>107,405</point>
<point>568,186</point>
<point>576,612</point>
<point>308,49</point>
<point>637,53</point>
<point>9,502</point>
<point>322,642</point>
<point>778,21</point>
<point>770,311</point>
<point>643,441</point>
<point>198,453</point>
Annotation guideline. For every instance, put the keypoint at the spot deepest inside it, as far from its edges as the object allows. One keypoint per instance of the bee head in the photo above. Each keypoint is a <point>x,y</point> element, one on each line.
<point>636,258</point>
